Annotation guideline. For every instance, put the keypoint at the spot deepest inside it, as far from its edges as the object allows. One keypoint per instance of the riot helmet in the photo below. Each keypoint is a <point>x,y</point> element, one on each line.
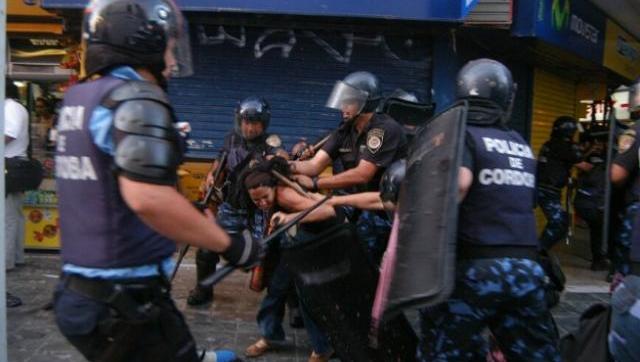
<point>564,127</point>
<point>391,181</point>
<point>402,94</point>
<point>487,80</point>
<point>358,92</point>
<point>146,33</point>
<point>252,110</point>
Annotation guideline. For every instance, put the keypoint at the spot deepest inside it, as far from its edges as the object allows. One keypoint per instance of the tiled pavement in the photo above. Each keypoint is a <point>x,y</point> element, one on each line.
<point>229,322</point>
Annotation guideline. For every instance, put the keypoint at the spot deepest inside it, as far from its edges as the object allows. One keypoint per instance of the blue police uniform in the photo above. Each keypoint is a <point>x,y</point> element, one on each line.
<point>112,261</point>
<point>589,202</point>
<point>628,159</point>
<point>231,216</point>
<point>556,158</point>
<point>499,283</point>
<point>624,337</point>
<point>382,142</point>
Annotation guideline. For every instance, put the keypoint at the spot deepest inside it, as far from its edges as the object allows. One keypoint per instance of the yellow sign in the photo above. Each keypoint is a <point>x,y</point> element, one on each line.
<point>621,51</point>
<point>41,229</point>
<point>29,17</point>
<point>191,175</point>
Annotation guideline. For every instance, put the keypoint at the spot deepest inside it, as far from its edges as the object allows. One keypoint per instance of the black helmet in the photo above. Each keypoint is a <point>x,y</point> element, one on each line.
<point>488,79</point>
<point>403,95</point>
<point>391,181</point>
<point>564,127</point>
<point>136,33</point>
<point>362,88</point>
<point>253,109</point>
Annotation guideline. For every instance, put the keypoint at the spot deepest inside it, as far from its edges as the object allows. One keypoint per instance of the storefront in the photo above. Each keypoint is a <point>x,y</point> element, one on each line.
<point>41,64</point>
<point>292,53</point>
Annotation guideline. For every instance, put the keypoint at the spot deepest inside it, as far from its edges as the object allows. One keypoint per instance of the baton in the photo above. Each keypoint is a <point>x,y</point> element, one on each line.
<point>216,277</point>
<point>294,185</point>
<point>201,206</point>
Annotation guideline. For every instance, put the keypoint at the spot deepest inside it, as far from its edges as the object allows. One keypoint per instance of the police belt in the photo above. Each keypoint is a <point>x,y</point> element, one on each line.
<point>467,251</point>
<point>127,296</point>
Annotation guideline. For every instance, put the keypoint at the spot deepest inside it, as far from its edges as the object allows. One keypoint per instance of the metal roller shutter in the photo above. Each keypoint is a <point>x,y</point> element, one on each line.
<point>294,70</point>
<point>553,96</point>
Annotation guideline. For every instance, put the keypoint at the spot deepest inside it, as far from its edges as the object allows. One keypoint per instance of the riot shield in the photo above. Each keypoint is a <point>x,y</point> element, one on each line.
<point>422,273</point>
<point>336,284</point>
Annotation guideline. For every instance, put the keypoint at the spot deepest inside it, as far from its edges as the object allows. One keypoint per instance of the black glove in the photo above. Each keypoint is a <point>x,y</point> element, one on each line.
<point>243,251</point>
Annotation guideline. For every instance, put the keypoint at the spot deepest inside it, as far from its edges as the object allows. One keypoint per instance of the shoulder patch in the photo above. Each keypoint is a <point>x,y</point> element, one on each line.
<point>274,141</point>
<point>375,137</point>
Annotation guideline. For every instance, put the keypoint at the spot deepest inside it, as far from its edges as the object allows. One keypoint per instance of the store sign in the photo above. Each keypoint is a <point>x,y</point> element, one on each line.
<point>575,25</point>
<point>442,10</point>
<point>621,51</point>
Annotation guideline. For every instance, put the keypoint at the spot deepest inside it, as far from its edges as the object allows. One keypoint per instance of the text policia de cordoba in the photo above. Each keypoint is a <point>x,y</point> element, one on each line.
<point>513,176</point>
<point>72,167</point>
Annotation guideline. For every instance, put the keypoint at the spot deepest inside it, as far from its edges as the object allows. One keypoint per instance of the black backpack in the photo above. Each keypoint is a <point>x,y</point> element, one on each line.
<point>589,341</point>
<point>22,174</point>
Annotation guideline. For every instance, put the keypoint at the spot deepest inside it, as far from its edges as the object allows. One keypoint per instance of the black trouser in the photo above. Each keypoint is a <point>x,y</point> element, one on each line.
<point>588,210</point>
<point>206,261</point>
<point>132,321</point>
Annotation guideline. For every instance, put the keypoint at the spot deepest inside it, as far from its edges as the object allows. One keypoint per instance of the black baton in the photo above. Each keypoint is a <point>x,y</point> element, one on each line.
<point>216,277</point>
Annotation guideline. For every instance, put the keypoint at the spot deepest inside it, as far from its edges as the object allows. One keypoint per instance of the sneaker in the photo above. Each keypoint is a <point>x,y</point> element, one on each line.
<point>220,355</point>
<point>199,296</point>
<point>258,349</point>
<point>317,357</point>
<point>13,301</point>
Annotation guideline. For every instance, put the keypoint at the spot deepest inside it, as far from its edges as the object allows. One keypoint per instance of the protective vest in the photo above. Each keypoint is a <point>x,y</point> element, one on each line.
<point>556,158</point>
<point>98,229</point>
<point>498,209</point>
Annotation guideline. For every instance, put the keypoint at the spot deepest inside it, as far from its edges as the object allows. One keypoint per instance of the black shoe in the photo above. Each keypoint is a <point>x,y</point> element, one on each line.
<point>600,265</point>
<point>199,296</point>
<point>13,301</point>
<point>295,318</point>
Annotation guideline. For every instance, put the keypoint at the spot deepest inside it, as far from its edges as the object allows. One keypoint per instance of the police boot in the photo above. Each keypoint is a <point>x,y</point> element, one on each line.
<point>205,266</point>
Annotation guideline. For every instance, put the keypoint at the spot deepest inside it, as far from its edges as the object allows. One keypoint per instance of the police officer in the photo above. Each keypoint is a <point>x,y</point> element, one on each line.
<point>624,174</point>
<point>499,284</point>
<point>120,212</point>
<point>624,338</point>
<point>247,142</point>
<point>557,156</point>
<point>365,146</point>
<point>590,193</point>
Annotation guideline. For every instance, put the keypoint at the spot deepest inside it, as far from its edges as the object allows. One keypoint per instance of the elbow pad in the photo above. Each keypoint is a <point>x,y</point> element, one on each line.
<point>146,141</point>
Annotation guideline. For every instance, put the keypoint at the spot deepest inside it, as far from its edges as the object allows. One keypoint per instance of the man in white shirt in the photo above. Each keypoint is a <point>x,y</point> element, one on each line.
<point>16,138</point>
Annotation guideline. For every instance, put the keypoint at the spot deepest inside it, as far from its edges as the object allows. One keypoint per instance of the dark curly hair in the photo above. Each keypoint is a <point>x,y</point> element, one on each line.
<point>258,175</point>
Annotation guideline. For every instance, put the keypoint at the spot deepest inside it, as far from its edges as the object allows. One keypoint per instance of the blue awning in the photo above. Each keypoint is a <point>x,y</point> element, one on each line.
<point>434,10</point>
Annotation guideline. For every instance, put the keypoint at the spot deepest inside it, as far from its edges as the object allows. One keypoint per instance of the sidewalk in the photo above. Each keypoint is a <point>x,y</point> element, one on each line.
<point>228,323</point>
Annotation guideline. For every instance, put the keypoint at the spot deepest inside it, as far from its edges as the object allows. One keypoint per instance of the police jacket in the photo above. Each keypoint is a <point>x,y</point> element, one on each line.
<point>498,208</point>
<point>556,158</point>
<point>98,228</point>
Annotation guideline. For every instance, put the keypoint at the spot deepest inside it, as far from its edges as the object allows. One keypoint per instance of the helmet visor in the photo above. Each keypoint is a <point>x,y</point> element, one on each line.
<point>344,95</point>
